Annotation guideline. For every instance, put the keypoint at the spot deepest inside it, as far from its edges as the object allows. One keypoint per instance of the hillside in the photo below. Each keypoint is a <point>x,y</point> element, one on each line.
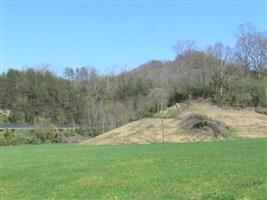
<point>244,123</point>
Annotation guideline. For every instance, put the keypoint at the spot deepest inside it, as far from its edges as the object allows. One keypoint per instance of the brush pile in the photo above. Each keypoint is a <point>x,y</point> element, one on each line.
<point>196,123</point>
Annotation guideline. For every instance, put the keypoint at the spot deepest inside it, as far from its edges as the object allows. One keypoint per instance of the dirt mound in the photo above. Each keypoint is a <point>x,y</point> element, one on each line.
<point>196,123</point>
<point>243,123</point>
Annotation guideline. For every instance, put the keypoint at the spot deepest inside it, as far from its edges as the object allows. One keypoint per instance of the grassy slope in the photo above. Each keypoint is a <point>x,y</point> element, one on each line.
<point>246,123</point>
<point>206,170</point>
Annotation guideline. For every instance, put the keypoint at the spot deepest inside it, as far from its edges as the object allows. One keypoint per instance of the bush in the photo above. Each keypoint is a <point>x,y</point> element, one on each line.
<point>222,100</point>
<point>17,138</point>
<point>4,119</point>
<point>90,132</point>
<point>12,138</point>
<point>177,96</point>
<point>6,138</point>
<point>2,140</point>
<point>44,135</point>
<point>261,110</point>
<point>202,91</point>
<point>22,138</point>
<point>243,93</point>
<point>43,132</point>
<point>9,136</point>
<point>149,111</point>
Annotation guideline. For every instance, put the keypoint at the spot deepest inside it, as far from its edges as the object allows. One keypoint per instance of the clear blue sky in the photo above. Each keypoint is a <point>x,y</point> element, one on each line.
<point>115,33</point>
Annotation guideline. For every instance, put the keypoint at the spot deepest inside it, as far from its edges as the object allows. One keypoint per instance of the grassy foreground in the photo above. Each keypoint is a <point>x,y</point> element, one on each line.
<point>206,170</point>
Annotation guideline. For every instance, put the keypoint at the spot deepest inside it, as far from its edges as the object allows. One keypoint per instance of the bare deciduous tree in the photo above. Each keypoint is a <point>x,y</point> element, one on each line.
<point>220,70</point>
<point>251,48</point>
<point>258,54</point>
<point>185,50</point>
<point>244,45</point>
<point>184,46</point>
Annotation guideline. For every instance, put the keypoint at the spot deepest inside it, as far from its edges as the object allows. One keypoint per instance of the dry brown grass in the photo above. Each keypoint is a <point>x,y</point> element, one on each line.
<point>247,122</point>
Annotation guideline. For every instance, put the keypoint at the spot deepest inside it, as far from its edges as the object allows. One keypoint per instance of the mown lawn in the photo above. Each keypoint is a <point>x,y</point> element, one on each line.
<point>204,170</point>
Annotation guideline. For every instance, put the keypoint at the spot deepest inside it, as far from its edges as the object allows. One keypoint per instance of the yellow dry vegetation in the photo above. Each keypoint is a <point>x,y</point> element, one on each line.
<point>246,123</point>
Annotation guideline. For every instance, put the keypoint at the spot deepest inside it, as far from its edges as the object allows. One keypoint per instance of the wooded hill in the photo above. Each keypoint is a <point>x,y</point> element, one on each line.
<point>234,76</point>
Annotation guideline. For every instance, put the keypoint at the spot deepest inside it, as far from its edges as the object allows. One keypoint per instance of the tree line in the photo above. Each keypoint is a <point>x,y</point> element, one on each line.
<point>234,76</point>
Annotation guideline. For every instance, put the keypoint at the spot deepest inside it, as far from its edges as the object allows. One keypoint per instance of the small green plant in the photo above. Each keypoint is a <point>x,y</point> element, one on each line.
<point>232,132</point>
<point>3,119</point>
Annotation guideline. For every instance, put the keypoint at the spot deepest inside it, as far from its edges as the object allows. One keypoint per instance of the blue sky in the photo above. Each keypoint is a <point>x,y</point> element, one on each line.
<point>115,34</point>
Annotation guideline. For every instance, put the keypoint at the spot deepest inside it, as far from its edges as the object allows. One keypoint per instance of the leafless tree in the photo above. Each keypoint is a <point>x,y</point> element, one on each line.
<point>251,48</point>
<point>158,97</point>
<point>259,52</point>
<point>183,46</point>
<point>221,69</point>
<point>184,51</point>
<point>201,65</point>
<point>244,45</point>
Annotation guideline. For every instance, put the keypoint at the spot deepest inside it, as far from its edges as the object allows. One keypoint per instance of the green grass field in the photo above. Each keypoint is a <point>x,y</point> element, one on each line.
<point>205,170</point>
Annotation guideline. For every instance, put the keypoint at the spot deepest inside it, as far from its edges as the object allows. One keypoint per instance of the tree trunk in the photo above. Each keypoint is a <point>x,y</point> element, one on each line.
<point>246,66</point>
<point>190,96</point>
<point>203,78</point>
<point>221,91</point>
<point>259,75</point>
<point>103,126</point>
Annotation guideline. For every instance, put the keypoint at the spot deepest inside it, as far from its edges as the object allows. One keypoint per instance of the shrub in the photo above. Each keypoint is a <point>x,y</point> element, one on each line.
<point>91,132</point>
<point>43,132</point>
<point>4,119</point>
<point>3,141</point>
<point>222,100</point>
<point>22,138</point>
<point>9,136</point>
<point>6,138</point>
<point>148,111</point>
<point>44,135</point>
<point>17,138</point>
<point>177,96</point>
<point>243,93</point>
<point>58,137</point>
<point>202,91</point>
<point>261,110</point>
<point>232,131</point>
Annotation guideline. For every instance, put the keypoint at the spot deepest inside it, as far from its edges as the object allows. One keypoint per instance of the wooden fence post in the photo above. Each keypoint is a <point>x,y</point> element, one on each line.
<point>162,129</point>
